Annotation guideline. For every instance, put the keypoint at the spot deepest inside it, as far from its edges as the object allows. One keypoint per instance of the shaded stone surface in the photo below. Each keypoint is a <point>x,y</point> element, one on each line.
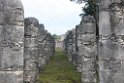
<point>69,42</point>
<point>31,50</point>
<point>111,56</point>
<point>81,47</point>
<point>86,37</point>
<point>11,41</point>
<point>46,47</point>
<point>21,47</point>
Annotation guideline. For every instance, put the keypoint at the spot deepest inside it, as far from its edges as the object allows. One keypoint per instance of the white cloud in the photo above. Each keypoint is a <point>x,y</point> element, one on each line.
<point>57,15</point>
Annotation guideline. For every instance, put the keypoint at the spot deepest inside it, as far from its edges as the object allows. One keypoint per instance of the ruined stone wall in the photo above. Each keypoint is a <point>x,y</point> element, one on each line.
<point>111,32</point>
<point>11,41</point>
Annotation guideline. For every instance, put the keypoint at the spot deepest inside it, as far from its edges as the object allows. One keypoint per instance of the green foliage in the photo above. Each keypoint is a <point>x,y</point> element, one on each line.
<point>59,70</point>
<point>56,37</point>
<point>91,8</point>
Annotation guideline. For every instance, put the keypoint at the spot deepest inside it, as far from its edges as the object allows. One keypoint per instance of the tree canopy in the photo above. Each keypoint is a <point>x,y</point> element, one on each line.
<point>56,37</point>
<point>90,8</point>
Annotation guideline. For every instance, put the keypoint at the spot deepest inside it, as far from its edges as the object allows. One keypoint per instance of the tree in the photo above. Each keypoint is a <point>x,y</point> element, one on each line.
<point>56,37</point>
<point>91,8</point>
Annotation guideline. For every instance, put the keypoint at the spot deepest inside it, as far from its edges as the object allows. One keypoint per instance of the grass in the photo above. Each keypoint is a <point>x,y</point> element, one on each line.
<point>59,70</point>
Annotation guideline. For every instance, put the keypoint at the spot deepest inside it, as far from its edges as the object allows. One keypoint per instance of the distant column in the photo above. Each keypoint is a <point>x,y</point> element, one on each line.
<point>31,50</point>
<point>42,57</point>
<point>87,49</point>
<point>78,45</point>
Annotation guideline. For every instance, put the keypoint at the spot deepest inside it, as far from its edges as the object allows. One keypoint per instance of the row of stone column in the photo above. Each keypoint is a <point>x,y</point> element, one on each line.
<point>80,45</point>
<point>111,41</point>
<point>25,46</point>
<point>99,60</point>
<point>38,48</point>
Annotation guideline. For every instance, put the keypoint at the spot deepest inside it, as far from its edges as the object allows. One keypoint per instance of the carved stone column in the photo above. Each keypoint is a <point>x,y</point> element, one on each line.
<point>31,50</point>
<point>11,41</point>
<point>111,41</point>
<point>87,49</point>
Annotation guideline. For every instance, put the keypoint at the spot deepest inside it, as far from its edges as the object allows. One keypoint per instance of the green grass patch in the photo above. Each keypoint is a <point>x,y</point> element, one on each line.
<point>59,70</point>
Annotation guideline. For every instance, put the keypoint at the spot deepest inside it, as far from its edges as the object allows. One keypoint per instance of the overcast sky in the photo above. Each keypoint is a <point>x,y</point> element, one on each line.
<point>58,16</point>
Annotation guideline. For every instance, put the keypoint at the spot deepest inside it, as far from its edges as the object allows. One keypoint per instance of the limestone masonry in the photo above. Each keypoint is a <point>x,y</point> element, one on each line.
<point>102,61</point>
<point>26,47</point>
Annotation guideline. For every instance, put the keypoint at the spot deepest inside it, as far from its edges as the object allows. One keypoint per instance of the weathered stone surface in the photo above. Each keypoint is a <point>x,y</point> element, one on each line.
<point>11,77</point>
<point>11,41</point>
<point>69,45</point>
<point>74,46</point>
<point>21,47</point>
<point>78,47</point>
<point>111,56</point>
<point>86,37</point>
<point>41,56</point>
<point>46,47</point>
<point>81,47</point>
<point>31,50</point>
<point>49,46</point>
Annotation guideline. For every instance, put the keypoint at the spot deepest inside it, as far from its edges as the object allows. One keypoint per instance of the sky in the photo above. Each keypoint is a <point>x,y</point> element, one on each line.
<point>58,16</point>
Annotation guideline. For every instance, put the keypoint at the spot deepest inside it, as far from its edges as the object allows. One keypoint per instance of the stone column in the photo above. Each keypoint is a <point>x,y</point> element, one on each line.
<point>47,47</point>
<point>70,45</point>
<point>31,50</point>
<point>41,59</point>
<point>11,41</point>
<point>51,45</point>
<point>78,45</point>
<point>87,49</point>
<point>74,47</point>
<point>111,41</point>
<point>44,48</point>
